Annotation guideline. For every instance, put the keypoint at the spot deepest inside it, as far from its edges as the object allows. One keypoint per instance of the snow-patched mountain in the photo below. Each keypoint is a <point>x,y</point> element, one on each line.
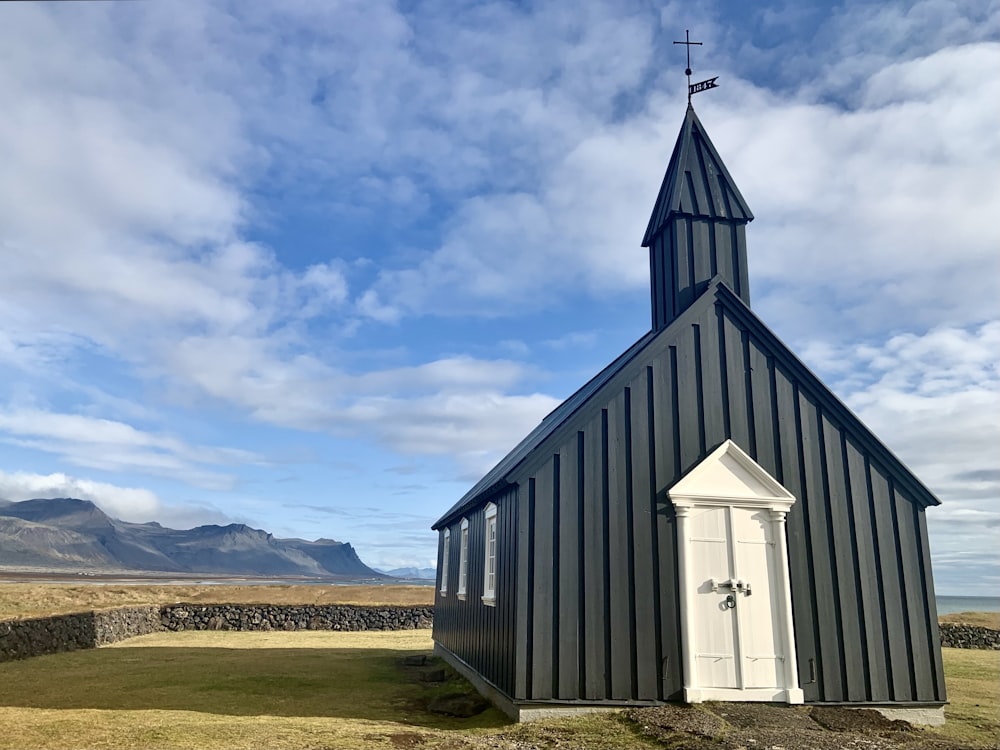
<point>422,574</point>
<point>66,533</point>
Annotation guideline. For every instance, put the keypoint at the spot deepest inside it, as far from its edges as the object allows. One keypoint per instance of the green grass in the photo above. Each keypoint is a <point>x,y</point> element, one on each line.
<point>40,599</point>
<point>322,690</point>
<point>979,619</point>
<point>973,682</point>
<point>227,690</point>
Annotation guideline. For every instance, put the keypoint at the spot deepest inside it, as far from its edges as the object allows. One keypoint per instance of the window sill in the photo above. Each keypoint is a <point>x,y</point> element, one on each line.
<point>490,601</point>
<point>462,597</point>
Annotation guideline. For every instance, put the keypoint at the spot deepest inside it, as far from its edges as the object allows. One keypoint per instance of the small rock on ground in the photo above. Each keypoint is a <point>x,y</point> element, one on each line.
<point>462,705</point>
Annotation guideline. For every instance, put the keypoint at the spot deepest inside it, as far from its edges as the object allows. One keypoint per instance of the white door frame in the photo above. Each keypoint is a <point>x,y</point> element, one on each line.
<point>728,477</point>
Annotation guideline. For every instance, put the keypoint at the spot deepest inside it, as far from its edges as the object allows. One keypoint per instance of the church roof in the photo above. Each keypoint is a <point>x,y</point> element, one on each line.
<point>718,292</point>
<point>697,183</point>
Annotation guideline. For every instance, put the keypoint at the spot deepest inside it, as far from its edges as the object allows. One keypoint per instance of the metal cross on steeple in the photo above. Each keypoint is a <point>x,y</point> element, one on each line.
<point>703,85</point>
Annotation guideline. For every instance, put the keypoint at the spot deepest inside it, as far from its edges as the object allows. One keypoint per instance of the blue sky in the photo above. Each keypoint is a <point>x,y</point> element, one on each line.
<point>316,266</point>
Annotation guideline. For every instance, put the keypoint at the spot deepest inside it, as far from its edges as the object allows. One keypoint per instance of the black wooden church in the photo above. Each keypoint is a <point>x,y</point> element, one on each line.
<point>703,520</point>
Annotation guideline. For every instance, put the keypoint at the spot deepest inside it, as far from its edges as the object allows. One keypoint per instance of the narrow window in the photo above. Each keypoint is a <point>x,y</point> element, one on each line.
<point>445,557</point>
<point>463,559</point>
<point>490,568</point>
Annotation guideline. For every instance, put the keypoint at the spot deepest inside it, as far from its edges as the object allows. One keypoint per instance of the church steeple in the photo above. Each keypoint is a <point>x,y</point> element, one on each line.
<point>698,227</point>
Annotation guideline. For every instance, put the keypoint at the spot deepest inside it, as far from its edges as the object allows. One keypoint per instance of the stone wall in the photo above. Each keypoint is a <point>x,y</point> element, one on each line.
<point>969,636</point>
<point>20,639</point>
<point>293,617</point>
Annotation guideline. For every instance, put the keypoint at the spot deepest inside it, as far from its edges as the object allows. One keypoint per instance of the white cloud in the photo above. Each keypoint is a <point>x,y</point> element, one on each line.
<point>132,504</point>
<point>127,503</point>
<point>116,446</point>
<point>862,213</point>
<point>458,406</point>
<point>524,145</point>
<point>475,429</point>
<point>880,207</point>
<point>933,398</point>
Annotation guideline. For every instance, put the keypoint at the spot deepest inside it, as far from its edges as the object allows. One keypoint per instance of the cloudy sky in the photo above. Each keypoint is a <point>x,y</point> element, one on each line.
<point>315,266</point>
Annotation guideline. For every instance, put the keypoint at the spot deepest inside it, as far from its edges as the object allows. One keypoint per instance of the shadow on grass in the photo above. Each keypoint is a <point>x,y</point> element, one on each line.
<point>358,683</point>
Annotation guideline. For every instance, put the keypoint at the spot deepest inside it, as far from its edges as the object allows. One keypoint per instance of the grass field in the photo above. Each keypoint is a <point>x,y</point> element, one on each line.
<point>250,690</point>
<point>313,690</point>
<point>980,619</point>
<point>20,600</point>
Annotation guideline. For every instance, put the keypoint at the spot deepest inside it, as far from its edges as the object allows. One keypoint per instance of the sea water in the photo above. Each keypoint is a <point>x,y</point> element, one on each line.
<point>947,605</point>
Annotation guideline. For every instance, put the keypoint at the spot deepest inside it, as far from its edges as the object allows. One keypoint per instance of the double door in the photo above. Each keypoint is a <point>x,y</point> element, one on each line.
<point>738,644</point>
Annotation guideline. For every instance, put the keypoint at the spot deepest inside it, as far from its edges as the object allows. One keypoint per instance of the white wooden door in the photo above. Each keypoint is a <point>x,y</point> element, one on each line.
<point>737,634</point>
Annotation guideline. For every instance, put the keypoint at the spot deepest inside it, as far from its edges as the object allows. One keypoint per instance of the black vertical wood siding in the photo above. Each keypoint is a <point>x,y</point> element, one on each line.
<point>597,549</point>
<point>481,635</point>
<point>687,255</point>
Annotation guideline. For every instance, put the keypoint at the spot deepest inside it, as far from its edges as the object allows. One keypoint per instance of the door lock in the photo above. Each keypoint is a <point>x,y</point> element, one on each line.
<point>735,585</point>
<point>730,601</point>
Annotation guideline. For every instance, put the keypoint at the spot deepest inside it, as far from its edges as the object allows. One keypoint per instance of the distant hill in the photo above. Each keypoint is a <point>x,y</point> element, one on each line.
<point>423,574</point>
<point>70,534</point>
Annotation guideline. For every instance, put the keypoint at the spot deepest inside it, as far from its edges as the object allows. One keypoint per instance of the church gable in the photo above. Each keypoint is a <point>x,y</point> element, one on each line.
<point>595,505</point>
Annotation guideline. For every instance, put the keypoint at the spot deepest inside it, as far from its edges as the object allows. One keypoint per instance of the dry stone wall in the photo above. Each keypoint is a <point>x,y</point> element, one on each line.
<point>292,617</point>
<point>20,639</point>
<point>969,636</point>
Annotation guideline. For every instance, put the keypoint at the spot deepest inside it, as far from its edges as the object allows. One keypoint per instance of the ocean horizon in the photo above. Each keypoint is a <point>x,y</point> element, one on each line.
<point>948,605</point>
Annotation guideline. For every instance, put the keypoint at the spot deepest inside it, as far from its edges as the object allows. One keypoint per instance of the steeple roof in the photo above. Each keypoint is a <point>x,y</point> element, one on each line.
<point>697,183</point>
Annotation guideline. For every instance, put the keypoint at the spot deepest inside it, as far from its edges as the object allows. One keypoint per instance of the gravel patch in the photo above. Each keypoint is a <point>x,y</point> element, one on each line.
<point>663,722</point>
<point>838,719</point>
<point>766,726</point>
<point>765,716</point>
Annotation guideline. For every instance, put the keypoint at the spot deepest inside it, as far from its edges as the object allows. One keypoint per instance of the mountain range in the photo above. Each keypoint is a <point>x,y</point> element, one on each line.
<point>420,574</point>
<point>66,534</point>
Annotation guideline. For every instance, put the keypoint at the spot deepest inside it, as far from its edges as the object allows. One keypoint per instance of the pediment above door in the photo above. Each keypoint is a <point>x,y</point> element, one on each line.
<point>727,476</point>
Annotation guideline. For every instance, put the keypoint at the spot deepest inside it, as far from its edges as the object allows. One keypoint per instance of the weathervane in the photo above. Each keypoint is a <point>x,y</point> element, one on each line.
<point>702,85</point>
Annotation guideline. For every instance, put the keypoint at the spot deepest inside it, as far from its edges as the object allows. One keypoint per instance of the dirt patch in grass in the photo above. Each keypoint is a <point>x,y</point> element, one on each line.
<point>972,719</point>
<point>838,719</point>
<point>21,600</point>
<point>738,726</point>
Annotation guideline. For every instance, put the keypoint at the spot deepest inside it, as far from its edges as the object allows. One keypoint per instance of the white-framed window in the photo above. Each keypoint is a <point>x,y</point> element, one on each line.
<point>463,559</point>
<point>490,567</point>
<point>445,559</point>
